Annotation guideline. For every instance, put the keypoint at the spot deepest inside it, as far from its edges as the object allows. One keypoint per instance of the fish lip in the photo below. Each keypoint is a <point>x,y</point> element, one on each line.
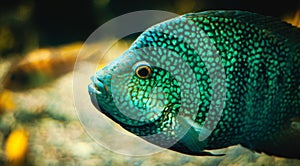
<point>98,86</point>
<point>97,91</point>
<point>93,89</point>
<point>94,93</point>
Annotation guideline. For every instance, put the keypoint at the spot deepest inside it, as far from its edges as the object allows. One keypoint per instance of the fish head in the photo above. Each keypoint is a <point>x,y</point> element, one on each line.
<point>135,90</point>
<point>150,90</point>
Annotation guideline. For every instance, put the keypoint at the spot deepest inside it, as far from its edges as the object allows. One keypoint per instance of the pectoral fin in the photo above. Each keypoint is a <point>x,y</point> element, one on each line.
<point>190,143</point>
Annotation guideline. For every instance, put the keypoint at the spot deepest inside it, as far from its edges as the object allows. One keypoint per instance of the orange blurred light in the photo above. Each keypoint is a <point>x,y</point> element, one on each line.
<point>6,101</point>
<point>294,20</point>
<point>16,147</point>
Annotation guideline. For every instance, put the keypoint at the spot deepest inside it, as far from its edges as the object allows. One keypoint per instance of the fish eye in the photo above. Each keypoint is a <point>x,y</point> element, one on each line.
<point>143,70</point>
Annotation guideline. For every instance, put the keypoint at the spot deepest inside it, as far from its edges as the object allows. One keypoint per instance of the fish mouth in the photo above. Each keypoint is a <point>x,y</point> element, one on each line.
<point>97,90</point>
<point>97,86</point>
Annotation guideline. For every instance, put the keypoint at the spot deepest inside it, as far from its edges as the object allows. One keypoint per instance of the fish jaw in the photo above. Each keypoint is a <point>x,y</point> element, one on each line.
<point>93,92</point>
<point>99,90</point>
<point>98,86</point>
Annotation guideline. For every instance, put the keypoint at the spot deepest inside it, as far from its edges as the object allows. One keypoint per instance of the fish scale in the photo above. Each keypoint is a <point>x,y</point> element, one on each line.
<point>260,59</point>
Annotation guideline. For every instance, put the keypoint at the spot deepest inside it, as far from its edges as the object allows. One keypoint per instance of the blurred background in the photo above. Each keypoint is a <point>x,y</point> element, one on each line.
<point>39,43</point>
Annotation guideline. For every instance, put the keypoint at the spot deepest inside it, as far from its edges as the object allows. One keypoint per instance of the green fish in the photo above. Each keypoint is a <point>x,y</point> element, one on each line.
<point>208,80</point>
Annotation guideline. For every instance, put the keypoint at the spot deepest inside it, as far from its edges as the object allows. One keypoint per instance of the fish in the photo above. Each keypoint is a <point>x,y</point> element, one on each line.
<point>208,80</point>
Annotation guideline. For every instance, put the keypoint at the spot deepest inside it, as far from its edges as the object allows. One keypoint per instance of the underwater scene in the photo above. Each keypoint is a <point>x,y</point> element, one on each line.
<point>175,82</point>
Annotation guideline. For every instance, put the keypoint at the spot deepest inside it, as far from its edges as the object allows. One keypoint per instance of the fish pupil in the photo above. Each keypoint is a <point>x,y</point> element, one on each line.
<point>143,71</point>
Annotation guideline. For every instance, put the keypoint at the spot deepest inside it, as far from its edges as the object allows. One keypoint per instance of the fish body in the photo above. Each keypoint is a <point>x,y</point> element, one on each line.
<point>208,80</point>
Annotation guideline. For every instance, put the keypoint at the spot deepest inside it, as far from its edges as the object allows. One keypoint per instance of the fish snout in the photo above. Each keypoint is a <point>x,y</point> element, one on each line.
<point>98,86</point>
